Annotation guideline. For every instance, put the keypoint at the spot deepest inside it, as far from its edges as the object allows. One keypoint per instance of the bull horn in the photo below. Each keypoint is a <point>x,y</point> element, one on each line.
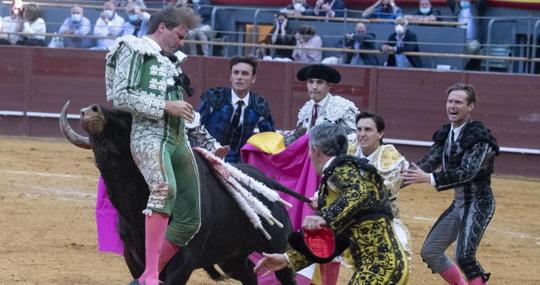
<point>70,134</point>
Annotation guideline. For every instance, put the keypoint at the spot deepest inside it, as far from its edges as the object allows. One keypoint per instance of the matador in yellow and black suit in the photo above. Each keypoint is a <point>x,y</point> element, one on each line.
<point>353,203</point>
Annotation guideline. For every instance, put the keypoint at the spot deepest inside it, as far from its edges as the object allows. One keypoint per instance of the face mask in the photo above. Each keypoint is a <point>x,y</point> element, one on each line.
<point>133,18</point>
<point>425,10</point>
<point>76,17</point>
<point>108,13</point>
<point>400,29</point>
<point>299,7</point>
<point>465,4</point>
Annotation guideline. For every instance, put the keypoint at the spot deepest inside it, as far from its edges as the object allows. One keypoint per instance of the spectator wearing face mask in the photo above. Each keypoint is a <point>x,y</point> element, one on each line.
<point>137,23</point>
<point>306,37</point>
<point>76,25</point>
<point>108,25</point>
<point>425,13</point>
<point>12,24</point>
<point>383,9</point>
<point>329,8</point>
<point>402,40</point>
<point>298,8</point>
<point>360,39</point>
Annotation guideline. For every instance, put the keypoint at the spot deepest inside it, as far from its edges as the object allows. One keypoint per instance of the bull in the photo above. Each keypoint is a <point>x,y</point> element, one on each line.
<point>226,236</point>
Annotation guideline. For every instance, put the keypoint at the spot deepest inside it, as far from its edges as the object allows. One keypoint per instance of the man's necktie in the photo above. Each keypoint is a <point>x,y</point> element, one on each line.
<point>453,145</point>
<point>234,130</point>
<point>170,56</point>
<point>236,116</point>
<point>314,115</point>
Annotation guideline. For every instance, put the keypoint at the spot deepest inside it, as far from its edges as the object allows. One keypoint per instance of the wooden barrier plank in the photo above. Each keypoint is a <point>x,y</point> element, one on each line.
<point>14,78</point>
<point>412,101</point>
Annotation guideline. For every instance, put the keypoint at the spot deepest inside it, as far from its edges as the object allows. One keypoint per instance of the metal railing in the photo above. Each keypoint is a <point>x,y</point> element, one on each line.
<point>526,60</point>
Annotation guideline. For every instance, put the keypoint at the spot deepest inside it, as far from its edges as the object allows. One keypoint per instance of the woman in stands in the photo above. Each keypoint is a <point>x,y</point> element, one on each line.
<point>12,24</point>
<point>33,24</point>
<point>306,37</point>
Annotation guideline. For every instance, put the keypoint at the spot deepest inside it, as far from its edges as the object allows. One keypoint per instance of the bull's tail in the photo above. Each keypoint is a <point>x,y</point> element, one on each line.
<point>215,274</point>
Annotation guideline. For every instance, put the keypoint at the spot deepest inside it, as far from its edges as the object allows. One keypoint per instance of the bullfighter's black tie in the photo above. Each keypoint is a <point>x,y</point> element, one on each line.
<point>237,113</point>
<point>452,145</point>
<point>170,56</point>
<point>235,128</point>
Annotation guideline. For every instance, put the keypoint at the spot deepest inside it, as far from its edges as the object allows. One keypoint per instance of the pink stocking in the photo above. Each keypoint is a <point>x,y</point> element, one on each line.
<point>168,250</point>
<point>156,225</point>
<point>453,276</point>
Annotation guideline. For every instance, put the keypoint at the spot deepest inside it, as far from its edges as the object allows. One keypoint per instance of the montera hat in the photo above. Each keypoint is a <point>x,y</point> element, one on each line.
<point>319,71</point>
<point>320,246</point>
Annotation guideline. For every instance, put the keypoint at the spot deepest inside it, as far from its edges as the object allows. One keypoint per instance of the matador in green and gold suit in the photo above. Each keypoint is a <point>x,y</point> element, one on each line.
<point>353,203</point>
<point>139,79</point>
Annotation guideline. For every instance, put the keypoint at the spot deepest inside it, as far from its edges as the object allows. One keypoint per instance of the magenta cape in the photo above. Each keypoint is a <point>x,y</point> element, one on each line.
<point>292,168</point>
<point>107,221</point>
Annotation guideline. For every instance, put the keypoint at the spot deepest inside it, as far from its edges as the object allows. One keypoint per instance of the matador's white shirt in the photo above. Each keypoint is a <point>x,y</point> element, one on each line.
<point>333,109</point>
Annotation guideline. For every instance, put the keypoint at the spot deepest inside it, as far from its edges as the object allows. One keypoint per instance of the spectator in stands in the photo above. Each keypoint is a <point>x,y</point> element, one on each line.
<point>466,12</point>
<point>402,40</point>
<point>76,25</point>
<point>329,8</point>
<point>360,39</point>
<point>281,34</point>
<point>108,25</point>
<point>383,9</point>
<point>425,13</point>
<point>137,23</point>
<point>298,8</point>
<point>306,37</point>
<point>201,31</point>
<point>12,24</point>
<point>34,25</point>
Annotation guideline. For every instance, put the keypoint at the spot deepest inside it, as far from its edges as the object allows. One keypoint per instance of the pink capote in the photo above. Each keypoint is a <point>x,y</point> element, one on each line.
<point>107,221</point>
<point>291,167</point>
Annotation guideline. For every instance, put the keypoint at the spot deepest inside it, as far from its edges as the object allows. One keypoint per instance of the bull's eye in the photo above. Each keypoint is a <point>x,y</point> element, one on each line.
<point>95,108</point>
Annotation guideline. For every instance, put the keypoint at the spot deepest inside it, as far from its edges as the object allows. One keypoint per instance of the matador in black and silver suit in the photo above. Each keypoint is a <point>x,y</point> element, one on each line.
<point>466,165</point>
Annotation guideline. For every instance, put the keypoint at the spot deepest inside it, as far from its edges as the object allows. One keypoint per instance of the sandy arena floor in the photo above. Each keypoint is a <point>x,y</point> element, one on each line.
<point>48,234</point>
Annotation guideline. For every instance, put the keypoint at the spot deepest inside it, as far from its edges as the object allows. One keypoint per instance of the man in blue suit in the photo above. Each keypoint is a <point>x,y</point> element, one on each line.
<point>231,114</point>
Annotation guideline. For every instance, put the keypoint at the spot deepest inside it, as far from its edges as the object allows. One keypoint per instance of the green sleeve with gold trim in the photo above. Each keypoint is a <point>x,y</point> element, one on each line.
<point>356,194</point>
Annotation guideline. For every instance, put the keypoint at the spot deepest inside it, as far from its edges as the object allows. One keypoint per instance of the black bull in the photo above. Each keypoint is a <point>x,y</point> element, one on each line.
<point>226,236</point>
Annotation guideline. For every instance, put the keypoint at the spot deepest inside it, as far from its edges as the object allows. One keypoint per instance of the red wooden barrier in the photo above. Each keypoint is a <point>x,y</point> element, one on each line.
<point>36,82</point>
